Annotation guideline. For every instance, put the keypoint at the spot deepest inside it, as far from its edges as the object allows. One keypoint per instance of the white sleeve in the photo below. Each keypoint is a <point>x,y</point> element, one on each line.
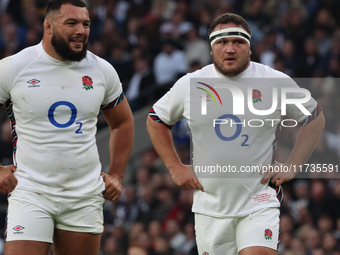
<point>170,108</point>
<point>113,87</point>
<point>6,80</point>
<point>294,112</point>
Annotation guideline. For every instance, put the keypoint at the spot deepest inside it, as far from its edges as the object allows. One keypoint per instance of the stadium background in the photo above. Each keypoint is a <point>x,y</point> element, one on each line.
<point>153,42</point>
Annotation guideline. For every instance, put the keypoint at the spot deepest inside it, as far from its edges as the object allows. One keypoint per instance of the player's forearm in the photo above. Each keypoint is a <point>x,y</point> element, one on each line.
<point>162,141</point>
<point>121,142</point>
<point>306,141</point>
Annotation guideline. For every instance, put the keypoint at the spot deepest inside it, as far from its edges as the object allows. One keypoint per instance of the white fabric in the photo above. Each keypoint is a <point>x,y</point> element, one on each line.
<point>37,215</point>
<point>61,161</point>
<point>227,30</point>
<point>229,197</point>
<point>231,235</point>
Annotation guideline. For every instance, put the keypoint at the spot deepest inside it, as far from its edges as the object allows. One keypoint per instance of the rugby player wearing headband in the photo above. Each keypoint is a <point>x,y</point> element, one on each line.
<point>53,92</point>
<point>232,216</point>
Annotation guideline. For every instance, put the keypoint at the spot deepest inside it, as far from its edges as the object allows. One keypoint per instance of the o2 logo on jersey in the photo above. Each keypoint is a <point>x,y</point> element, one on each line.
<point>222,120</point>
<point>72,118</point>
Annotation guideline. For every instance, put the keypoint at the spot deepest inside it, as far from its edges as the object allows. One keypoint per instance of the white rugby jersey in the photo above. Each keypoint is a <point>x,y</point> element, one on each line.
<point>240,145</point>
<point>53,106</point>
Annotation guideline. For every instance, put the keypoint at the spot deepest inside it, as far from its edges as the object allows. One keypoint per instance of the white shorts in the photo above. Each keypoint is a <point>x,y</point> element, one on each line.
<point>34,216</point>
<point>220,236</point>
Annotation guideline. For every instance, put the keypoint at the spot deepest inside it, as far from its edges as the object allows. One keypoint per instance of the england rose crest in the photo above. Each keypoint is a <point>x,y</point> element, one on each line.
<point>268,234</point>
<point>87,82</point>
<point>257,96</point>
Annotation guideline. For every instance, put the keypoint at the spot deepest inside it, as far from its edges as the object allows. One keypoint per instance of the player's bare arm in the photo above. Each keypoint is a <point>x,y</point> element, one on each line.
<point>7,179</point>
<point>162,140</point>
<point>306,141</point>
<point>120,121</point>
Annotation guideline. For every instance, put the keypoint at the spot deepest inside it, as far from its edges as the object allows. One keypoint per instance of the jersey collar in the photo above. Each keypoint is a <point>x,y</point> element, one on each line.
<point>51,59</point>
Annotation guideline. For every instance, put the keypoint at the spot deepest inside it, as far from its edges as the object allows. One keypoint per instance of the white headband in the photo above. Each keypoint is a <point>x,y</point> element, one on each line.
<point>229,32</point>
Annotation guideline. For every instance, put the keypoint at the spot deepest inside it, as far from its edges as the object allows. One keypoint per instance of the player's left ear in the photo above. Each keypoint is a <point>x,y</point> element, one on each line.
<point>250,52</point>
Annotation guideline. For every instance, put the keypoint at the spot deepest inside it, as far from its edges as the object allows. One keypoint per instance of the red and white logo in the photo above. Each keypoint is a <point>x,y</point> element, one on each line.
<point>268,234</point>
<point>33,81</point>
<point>18,228</point>
<point>262,197</point>
<point>87,83</point>
<point>257,96</point>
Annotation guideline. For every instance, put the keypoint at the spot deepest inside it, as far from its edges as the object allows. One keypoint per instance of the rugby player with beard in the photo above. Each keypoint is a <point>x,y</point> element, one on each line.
<point>53,93</point>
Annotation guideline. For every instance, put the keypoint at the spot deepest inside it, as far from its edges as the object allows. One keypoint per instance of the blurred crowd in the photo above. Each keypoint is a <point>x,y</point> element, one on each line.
<point>151,43</point>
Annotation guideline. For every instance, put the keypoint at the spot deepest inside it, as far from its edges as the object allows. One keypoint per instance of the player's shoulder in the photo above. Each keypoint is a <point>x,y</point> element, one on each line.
<point>184,82</point>
<point>182,85</point>
<point>263,71</point>
<point>270,76</point>
<point>205,72</point>
<point>97,61</point>
<point>17,62</point>
<point>100,65</point>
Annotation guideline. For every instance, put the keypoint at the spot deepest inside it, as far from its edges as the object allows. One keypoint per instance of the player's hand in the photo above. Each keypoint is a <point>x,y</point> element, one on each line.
<point>278,174</point>
<point>8,182</point>
<point>113,187</point>
<point>185,178</point>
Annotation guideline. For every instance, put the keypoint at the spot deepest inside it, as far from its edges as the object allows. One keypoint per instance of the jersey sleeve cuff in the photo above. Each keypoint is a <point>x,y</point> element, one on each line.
<point>155,117</point>
<point>311,117</point>
<point>114,102</point>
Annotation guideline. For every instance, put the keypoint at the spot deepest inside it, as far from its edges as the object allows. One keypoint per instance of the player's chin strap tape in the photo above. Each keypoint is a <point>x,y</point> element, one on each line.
<point>229,32</point>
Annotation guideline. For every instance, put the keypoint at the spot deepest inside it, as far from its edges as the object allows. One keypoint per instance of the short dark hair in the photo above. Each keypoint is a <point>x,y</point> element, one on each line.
<point>229,18</point>
<point>55,5</point>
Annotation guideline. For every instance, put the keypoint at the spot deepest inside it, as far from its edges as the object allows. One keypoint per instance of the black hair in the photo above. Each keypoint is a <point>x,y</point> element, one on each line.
<point>55,5</point>
<point>229,18</point>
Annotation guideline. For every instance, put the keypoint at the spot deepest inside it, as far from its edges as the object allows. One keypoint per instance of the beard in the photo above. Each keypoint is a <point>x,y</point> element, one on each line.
<point>64,50</point>
<point>232,72</point>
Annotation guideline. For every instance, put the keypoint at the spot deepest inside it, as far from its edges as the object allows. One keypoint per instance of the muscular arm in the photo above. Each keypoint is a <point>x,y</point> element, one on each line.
<point>306,141</point>
<point>121,124</point>
<point>161,138</point>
